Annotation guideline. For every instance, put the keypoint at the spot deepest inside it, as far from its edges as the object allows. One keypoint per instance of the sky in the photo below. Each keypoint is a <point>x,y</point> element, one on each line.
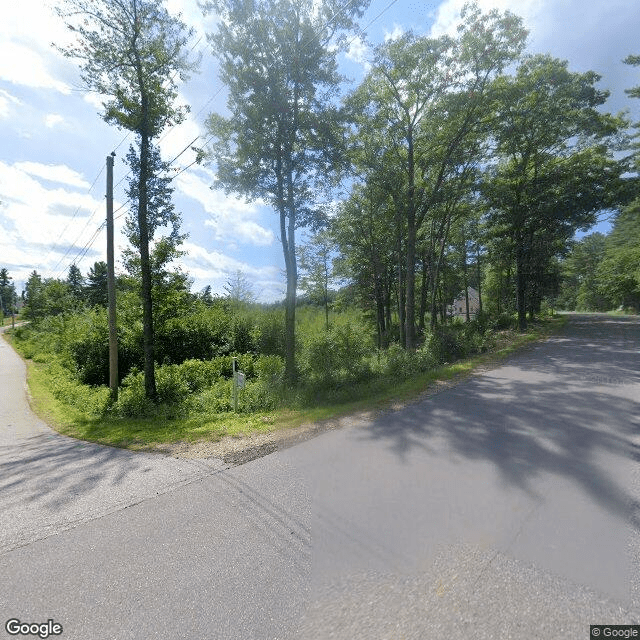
<point>54,142</point>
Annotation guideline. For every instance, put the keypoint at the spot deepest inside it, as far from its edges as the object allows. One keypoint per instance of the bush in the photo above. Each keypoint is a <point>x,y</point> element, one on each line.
<point>90,402</point>
<point>398,362</point>
<point>201,336</point>
<point>89,349</point>
<point>215,399</point>
<point>504,321</point>
<point>204,386</point>
<point>268,333</point>
<point>444,345</point>
<point>334,357</point>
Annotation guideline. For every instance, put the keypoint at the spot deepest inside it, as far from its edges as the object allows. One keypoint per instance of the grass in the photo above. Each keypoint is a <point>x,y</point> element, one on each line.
<point>138,434</point>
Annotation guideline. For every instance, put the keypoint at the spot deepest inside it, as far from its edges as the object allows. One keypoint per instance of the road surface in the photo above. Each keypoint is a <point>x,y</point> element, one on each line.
<point>507,506</point>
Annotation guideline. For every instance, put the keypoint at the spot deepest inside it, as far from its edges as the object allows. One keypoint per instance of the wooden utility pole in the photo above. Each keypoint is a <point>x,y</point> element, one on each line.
<point>111,285</point>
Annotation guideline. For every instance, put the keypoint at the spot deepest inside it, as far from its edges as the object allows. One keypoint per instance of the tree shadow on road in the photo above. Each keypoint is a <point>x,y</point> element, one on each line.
<point>569,407</point>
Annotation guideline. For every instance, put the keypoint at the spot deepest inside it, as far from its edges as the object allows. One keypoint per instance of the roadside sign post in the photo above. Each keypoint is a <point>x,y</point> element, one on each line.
<point>238,383</point>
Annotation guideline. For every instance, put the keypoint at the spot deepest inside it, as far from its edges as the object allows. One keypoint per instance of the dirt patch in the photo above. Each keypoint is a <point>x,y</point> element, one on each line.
<point>238,450</point>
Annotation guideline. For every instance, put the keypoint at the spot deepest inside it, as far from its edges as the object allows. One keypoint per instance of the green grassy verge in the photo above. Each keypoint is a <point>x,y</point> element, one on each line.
<point>67,405</point>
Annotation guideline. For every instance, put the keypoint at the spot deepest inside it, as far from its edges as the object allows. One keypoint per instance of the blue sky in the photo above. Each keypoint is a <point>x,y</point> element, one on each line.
<point>54,143</point>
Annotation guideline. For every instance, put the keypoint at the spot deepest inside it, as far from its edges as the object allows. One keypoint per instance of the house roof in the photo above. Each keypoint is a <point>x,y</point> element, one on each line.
<point>473,296</point>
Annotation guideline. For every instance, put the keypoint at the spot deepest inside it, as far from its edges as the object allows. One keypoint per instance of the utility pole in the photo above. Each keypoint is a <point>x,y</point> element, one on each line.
<point>111,285</point>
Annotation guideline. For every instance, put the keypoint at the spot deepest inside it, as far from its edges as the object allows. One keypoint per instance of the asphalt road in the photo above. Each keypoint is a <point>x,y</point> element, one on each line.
<point>507,506</point>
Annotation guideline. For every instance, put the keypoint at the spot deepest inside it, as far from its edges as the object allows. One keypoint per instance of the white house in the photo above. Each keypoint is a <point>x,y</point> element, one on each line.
<point>459,307</point>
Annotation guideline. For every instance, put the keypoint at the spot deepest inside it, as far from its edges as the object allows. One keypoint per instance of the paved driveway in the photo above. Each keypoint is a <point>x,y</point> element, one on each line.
<point>504,507</point>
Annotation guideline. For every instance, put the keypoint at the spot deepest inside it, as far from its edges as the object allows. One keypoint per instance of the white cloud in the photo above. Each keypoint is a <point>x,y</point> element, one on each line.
<point>397,32</point>
<point>358,51</point>
<point>95,100</point>
<point>215,268</point>
<point>233,219</point>
<point>448,13</point>
<point>21,65</point>
<point>174,141</point>
<point>35,218</point>
<point>193,17</point>
<point>52,120</point>
<point>7,101</point>
<point>53,173</point>
<point>590,35</point>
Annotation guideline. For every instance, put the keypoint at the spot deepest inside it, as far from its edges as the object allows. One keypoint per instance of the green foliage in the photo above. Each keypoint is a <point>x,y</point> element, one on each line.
<point>283,140</point>
<point>422,113</point>
<point>268,332</point>
<point>202,387</point>
<point>8,297</point>
<point>89,348</point>
<point>335,357</point>
<point>201,335</point>
<point>555,168</point>
<point>95,290</point>
<point>619,271</point>
<point>90,402</point>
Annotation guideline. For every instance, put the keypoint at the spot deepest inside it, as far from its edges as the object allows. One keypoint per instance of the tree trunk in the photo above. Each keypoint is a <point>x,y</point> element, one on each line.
<point>145,269</point>
<point>521,288</point>
<point>410,315</point>
<point>436,273</point>
<point>288,249</point>
<point>424,292</point>
<point>479,272</point>
<point>465,276</point>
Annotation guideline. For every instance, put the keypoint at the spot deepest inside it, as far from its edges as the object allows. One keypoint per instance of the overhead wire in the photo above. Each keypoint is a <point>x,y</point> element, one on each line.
<point>94,236</point>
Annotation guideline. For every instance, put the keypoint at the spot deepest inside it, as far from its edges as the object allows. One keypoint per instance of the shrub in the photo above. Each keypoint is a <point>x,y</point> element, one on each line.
<point>337,356</point>
<point>268,333</point>
<point>132,401</point>
<point>398,362</point>
<point>215,399</point>
<point>504,321</point>
<point>444,345</point>
<point>89,349</point>
<point>202,336</point>
<point>171,384</point>
<point>90,402</point>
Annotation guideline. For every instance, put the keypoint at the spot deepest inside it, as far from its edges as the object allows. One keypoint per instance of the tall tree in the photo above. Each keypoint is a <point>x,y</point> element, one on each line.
<point>634,92</point>
<point>368,253</point>
<point>427,94</point>
<point>75,280</point>
<point>581,289</point>
<point>34,302</point>
<point>618,273</point>
<point>96,285</point>
<point>7,292</point>
<point>239,290</point>
<point>316,266</point>
<point>282,141</point>
<point>555,169</point>
<point>133,52</point>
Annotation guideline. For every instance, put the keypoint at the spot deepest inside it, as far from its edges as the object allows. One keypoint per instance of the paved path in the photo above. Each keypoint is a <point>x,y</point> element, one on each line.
<point>504,507</point>
<point>49,483</point>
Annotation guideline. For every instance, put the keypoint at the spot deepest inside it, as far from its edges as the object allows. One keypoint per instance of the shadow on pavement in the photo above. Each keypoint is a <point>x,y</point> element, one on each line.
<point>568,407</point>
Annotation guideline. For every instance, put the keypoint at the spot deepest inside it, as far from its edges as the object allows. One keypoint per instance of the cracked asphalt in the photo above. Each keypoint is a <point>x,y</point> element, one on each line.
<point>506,506</point>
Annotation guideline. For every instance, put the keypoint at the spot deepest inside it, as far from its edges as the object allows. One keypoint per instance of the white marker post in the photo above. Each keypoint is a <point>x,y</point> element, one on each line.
<point>238,383</point>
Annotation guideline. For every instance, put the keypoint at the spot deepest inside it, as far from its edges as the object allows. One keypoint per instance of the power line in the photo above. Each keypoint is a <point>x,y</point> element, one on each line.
<point>87,246</point>
<point>361,31</point>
